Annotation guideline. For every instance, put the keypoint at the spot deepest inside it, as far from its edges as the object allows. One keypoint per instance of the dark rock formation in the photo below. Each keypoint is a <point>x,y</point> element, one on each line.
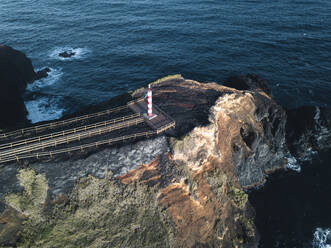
<point>67,54</point>
<point>308,130</point>
<point>248,82</point>
<point>16,71</point>
<point>43,73</point>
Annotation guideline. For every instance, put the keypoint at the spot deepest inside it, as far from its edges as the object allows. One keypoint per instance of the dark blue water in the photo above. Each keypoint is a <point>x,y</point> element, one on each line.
<point>293,208</point>
<point>121,45</point>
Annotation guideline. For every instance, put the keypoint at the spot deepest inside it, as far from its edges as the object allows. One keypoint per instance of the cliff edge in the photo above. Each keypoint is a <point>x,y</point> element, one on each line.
<point>182,189</point>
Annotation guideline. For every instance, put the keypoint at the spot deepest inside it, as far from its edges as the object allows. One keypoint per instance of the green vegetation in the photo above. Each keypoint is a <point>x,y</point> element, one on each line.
<point>238,196</point>
<point>248,225</point>
<point>31,201</point>
<point>217,181</point>
<point>100,213</point>
<point>156,82</point>
<point>165,79</point>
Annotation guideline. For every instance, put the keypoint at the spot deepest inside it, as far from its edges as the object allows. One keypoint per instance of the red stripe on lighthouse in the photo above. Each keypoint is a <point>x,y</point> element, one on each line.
<point>149,100</point>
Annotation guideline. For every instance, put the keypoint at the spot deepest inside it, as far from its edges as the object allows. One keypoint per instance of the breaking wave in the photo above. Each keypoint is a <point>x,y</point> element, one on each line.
<point>53,77</point>
<point>79,53</point>
<point>322,238</point>
<point>43,109</point>
<point>292,164</point>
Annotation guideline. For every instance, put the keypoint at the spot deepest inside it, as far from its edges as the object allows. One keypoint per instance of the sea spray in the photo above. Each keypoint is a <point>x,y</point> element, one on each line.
<point>78,53</point>
<point>322,238</point>
<point>43,109</point>
<point>53,77</point>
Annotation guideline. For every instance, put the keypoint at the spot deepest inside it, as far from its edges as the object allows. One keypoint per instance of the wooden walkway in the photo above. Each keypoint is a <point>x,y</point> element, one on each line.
<point>46,140</point>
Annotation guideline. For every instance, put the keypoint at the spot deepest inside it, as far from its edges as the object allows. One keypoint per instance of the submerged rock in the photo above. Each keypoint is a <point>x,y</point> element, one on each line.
<point>67,54</point>
<point>43,73</point>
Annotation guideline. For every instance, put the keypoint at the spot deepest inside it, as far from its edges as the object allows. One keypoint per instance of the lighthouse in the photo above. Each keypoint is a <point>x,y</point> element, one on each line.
<point>149,115</point>
<point>149,102</point>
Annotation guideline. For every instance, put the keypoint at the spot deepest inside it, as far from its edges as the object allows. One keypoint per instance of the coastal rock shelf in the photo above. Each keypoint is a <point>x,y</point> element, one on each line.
<point>186,188</point>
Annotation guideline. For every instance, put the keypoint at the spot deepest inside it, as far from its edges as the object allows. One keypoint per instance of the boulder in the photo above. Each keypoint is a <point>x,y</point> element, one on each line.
<point>42,73</point>
<point>67,54</point>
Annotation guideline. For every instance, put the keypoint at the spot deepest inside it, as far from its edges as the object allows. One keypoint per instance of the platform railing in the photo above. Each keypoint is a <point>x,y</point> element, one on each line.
<point>81,148</point>
<point>57,124</point>
<point>67,132</point>
<point>35,147</point>
<point>68,139</point>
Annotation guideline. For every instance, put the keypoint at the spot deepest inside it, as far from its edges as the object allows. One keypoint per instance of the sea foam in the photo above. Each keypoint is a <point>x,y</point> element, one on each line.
<point>322,238</point>
<point>292,164</point>
<point>53,77</point>
<point>43,109</point>
<point>80,53</point>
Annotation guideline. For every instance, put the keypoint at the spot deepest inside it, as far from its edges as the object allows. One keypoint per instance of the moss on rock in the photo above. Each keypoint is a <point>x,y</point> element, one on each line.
<point>238,196</point>
<point>102,213</point>
<point>31,201</point>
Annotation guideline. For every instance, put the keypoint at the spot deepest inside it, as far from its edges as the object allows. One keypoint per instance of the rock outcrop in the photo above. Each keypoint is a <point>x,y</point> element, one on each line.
<point>308,131</point>
<point>67,54</point>
<point>188,192</point>
<point>43,73</point>
<point>16,71</point>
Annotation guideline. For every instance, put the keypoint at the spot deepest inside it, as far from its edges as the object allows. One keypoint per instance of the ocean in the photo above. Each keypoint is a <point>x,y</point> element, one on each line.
<point>121,45</point>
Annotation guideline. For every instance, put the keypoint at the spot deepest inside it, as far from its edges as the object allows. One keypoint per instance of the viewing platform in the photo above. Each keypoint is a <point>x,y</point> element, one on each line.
<point>84,133</point>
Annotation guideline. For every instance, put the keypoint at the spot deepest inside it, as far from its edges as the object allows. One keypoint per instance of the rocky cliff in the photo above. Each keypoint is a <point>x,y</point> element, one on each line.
<point>16,71</point>
<point>182,189</point>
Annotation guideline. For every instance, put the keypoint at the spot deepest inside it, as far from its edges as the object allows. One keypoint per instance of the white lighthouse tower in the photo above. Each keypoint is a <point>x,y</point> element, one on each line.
<point>149,102</point>
<point>149,114</point>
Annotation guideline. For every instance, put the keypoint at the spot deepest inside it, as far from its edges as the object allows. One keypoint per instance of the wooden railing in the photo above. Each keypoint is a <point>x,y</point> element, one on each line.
<point>35,147</point>
<point>97,144</point>
<point>67,132</point>
<point>57,124</point>
<point>63,140</point>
